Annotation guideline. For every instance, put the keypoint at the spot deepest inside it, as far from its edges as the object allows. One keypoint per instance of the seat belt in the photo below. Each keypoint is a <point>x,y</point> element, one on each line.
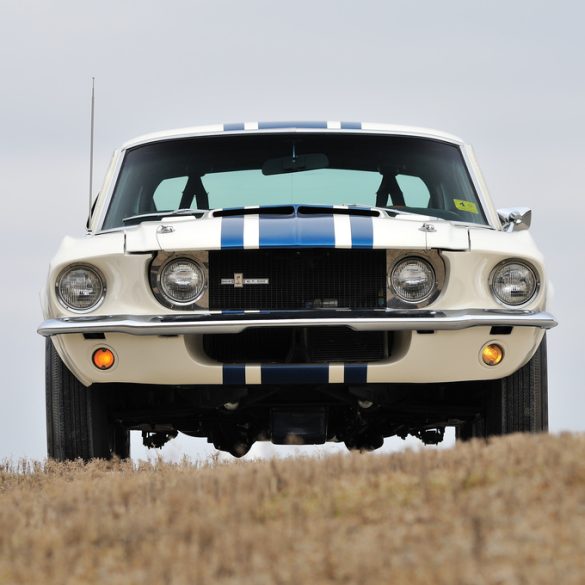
<point>389,186</point>
<point>194,189</point>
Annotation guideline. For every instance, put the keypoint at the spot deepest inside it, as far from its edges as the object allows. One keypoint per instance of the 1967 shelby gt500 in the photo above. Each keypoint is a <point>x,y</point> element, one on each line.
<point>294,282</point>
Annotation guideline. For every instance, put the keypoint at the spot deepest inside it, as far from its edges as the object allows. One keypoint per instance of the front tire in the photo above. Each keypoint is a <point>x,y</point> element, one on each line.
<point>78,425</point>
<point>516,404</point>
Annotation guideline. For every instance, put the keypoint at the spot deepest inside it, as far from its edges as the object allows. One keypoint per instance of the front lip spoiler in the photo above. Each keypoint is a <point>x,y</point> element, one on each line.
<point>236,321</point>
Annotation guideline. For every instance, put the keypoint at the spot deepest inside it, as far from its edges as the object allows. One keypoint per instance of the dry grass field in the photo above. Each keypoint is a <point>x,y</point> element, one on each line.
<point>511,512</point>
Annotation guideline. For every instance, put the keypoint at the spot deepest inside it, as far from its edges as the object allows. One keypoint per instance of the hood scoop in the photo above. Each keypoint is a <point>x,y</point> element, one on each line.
<point>297,211</point>
<point>287,210</point>
<point>355,211</point>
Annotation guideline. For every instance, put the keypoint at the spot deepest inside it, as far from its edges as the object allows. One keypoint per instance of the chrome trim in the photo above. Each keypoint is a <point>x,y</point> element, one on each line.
<point>499,266</point>
<point>376,320</point>
<point>396,293</point>
<point>156,267</point>
<point>432,257</point>
<point>90,268</point>
<point>515,219</point>
<point>427,227</point>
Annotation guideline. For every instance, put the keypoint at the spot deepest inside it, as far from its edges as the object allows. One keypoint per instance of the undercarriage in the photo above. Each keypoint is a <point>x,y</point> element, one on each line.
<point>234,418</point>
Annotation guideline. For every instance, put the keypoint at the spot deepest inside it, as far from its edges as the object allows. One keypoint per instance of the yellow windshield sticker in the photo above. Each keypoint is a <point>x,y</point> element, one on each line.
<point>463,205</point>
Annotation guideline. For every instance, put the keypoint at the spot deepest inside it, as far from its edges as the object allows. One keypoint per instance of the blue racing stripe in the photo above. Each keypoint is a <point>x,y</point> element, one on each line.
<point>355,373</point>
<point>232,231</point>
<point>305,231</point>
<point>234,374</point>
<point>295,374</point>
<point>276,232</point>
<point>317,230</point>
<point>233,127</point>
<point>271,125</point>
<point>351,125</point>
<point>362,231</point>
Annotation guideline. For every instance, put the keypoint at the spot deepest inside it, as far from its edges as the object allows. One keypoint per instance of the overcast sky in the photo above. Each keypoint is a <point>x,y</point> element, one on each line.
<point>508,77</point>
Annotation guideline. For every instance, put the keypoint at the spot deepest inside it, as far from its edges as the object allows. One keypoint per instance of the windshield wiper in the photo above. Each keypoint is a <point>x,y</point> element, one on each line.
<point>133,219</point>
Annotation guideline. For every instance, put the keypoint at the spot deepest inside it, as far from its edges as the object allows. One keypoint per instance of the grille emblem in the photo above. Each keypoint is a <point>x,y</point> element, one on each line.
<point>238,281</point>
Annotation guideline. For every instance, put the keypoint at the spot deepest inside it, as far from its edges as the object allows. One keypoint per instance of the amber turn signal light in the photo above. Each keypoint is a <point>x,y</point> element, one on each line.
<point>103,358</point>
<point>492,354</point>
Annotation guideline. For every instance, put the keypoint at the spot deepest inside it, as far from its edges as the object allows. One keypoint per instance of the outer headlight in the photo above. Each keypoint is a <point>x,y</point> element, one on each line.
<point>513,282</point>
<point>80,288</point>
<point>182,281</point>
<point>412,279</point>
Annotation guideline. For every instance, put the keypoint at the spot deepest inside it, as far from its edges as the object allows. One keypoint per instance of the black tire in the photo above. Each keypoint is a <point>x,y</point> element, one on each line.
<point>77,418</point>
<point>516,404</point>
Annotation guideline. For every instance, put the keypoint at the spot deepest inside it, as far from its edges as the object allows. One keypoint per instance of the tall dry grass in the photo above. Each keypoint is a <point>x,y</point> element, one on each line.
<point>509,512</point>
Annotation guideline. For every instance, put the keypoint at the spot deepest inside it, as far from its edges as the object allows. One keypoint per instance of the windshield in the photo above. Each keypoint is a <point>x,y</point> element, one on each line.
<point>404,173</point>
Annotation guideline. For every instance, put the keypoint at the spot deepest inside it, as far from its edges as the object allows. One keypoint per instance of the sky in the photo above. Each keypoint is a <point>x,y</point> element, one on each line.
<point>507,77</point>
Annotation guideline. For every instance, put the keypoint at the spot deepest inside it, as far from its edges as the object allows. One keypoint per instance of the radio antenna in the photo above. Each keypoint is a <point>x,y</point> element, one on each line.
<point>91,149</point>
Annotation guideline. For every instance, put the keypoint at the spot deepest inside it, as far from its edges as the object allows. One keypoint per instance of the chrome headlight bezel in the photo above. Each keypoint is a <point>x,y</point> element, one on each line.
<point>510,262</point>
<point>99,278</point>
<point>429,295</point>
<point>157,269</point>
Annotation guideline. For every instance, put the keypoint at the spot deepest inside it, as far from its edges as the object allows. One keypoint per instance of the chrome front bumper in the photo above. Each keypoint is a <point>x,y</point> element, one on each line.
<point>234,321</point>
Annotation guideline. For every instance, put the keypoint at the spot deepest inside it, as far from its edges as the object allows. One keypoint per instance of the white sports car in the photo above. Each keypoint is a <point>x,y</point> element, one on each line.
<point>294,282</point>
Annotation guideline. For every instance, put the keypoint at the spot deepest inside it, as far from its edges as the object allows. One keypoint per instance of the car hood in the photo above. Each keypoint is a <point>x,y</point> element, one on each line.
<point>296,227</point>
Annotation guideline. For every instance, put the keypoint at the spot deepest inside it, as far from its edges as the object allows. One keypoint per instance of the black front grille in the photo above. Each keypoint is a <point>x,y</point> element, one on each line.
<point>298,345</point>
<point>298,279</point>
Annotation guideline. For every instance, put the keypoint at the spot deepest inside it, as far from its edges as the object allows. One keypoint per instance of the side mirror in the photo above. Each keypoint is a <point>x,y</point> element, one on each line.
<point>515,219</point>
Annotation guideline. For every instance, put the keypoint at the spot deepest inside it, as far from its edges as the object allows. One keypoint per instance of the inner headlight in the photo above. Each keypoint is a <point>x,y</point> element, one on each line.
<point>513,282</point>
<point>182,281</point>
<point>80,288</point>
<point>412,279</point>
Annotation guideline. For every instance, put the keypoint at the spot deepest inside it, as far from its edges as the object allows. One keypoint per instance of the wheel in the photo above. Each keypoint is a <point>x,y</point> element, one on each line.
<point>77,417</point>
<point>516,404</point>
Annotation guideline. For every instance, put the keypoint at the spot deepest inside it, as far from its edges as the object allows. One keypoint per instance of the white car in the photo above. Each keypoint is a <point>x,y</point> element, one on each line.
<point>294,282</point>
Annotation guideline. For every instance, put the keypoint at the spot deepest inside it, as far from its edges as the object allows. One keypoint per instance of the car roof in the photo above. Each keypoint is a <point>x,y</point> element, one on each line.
<point>279,127</point>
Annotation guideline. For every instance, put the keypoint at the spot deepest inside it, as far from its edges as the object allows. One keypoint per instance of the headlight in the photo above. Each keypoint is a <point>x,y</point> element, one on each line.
<point>80,288</point>
<point>412,280</point>
<point>513,282</point>
<point>182,281</point>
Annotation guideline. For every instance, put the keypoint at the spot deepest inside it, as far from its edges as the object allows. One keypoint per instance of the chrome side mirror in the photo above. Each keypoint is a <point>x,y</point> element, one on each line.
<point>515,219</point>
